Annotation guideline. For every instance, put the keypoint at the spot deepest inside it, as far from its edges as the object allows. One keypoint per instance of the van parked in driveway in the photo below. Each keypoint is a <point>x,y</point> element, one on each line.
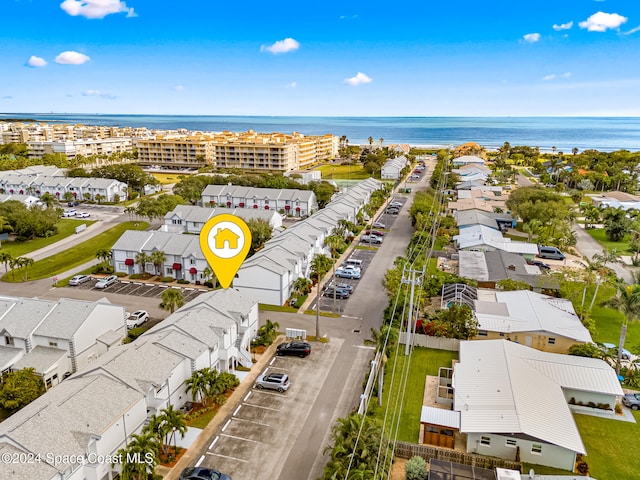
<point>551,252</point>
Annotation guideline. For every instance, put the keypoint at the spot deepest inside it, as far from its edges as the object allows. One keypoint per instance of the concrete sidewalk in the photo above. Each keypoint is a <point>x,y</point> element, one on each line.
<point>193,454</point>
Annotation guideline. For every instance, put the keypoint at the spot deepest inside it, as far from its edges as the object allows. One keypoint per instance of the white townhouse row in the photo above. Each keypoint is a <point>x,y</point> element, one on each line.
<point>84,146</point>
<point>393,167</point>
<point>269,275</point>
<point>480,238</point>
<point>298,203</point>
<point>57,338</point>
<point>517,403</point>
<point>77,428</point>
<point>190,218</point>
<point>103,189</point>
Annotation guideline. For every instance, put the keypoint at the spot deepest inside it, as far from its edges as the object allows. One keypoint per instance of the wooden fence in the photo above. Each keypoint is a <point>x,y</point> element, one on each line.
<point>409,450</point>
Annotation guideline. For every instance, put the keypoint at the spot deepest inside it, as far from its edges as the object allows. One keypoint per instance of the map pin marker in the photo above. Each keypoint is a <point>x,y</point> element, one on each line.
<point>225,241</point>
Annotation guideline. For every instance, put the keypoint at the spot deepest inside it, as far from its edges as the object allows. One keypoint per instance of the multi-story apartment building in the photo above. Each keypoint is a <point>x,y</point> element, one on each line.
<point>245,150</point>
<point>84,147</point>
<point>176,150</point>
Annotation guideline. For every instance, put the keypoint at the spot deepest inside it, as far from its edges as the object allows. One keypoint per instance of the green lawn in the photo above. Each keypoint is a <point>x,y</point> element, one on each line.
<point>168,178</point>
<point>79,254</point>
<point>621,247</point>
<point>610,445</point>
<point>65,227</point>
<point>423,362</point>
<point>276,308</point>
<point>349,172</point>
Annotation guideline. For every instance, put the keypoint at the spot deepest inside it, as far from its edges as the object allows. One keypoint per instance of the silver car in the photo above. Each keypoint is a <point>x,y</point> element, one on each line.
<point>273,381</point>
<point>78,279</point>
<point>107,281</point>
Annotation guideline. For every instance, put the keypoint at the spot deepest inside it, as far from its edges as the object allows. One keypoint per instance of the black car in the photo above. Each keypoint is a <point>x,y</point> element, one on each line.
<point>332,291</point>
<point>201,473</point>
<point>301,349</point>
<point>540,265</point>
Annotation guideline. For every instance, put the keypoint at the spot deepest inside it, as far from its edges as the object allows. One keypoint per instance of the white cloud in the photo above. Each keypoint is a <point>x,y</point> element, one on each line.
<point>95,8</point>
<point>348,17</point>
<point>632,31</point>
<point>601,22</point>
<point>281,46</point>
<point>36,61</point>
<point>562,26</point>
<point>291,85</point>
<point>531,37</point>
<point>98,93</point>
<point>178,88</point>
<point>553,76</point>
<point>72,58</point>
<point>7,97</point>
<point>359,79</point>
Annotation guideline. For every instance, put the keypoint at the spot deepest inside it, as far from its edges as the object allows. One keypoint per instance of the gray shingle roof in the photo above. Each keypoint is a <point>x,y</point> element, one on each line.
<point>20,316</point>
<point>41,359</point>
<point>62,421</point>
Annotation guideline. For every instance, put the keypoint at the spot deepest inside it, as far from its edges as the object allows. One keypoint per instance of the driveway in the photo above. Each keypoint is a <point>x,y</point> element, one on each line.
<point>588,247</point>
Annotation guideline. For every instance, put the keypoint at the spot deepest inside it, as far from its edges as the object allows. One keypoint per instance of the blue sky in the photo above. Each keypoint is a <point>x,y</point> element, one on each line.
<point>330,58</point>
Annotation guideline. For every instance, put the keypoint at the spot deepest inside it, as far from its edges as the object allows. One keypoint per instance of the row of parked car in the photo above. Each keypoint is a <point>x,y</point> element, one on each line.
<point>75,213</point>
<point>394,208</point>
<point>280,381</point>
<point>100,284</point>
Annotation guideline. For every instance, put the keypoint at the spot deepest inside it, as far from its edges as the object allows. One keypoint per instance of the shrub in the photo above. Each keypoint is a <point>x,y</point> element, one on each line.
<point>167,279</point>
<point>618,408</point>
<point>416,469</point>
<point>208,284</point>
<point>135,276</point>
<point>182,281</point>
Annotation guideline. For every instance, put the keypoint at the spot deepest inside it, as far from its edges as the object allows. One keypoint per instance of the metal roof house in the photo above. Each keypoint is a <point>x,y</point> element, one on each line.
<point>539,321</point>
<point>515,401</point>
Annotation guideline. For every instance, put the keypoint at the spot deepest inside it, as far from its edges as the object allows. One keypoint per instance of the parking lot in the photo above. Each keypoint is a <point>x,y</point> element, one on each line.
<point>140,289</point>
<point>337,305</point>
<point>256,438</point>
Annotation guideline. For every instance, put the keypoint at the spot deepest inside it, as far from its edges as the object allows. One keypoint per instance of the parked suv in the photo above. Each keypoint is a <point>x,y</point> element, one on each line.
<point>301,349</point>
<point>348,273</point>
<point>374,239</point>
<point>137,318</point>
<point>273,381</point>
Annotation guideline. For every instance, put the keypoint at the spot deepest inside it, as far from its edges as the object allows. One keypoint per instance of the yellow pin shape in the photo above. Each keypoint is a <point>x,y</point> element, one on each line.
<point>225,241</point>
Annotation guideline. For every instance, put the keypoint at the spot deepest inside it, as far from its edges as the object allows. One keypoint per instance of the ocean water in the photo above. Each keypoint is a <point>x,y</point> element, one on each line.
<point>564,133</point>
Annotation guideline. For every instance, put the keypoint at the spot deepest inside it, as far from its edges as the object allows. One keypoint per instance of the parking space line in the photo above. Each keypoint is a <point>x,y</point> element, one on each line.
<point>270,393</point>
<point>237,410</point>
<point>253,421</point>
<point>241,438</point>
<point>227,456</point>
<point>247,396</point>
<point>272,360</point>
<point>260,406</point>
<point>215,440</point>
<point>226,425</point>
<point>200,461</point>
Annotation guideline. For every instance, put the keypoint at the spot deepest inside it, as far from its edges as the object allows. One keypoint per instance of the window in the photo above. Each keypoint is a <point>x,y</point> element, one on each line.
<point>536,448</point>
<point>485,441</point>
<point>482,333</point>
<point>8,340</point>
<point>502,334</point>
<point>53,344</point>
<point>511,443</point>
<point>551,341</point>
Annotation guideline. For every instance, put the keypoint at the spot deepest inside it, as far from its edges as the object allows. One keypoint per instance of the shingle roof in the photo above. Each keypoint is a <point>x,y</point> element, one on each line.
<point>41,359</point>
<point>62,421</point>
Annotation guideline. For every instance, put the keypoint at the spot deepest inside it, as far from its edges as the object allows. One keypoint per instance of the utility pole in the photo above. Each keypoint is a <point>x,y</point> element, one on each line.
<point>409,276</point>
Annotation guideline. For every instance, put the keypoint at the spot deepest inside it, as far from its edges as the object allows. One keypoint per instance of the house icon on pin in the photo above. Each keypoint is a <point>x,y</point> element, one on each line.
<point>223,236</point>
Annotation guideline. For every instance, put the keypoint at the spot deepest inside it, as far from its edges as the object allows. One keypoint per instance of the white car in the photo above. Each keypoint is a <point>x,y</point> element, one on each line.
<point>78,279</point>
<point>106,281</point>
<point>378,225</point>
<point>137,318</point>
<point>69,213</point>
<point>82,215</point>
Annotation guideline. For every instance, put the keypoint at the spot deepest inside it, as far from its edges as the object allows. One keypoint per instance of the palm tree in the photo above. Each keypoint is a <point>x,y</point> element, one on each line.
<point>104,255</point>
<point>158,427</point>
<point>144,447</point>
<point>198,385</point>
<point>142,259</point>
<point>385,341</point>
<point>208,275</point>
<point>23,262</point>
<point>158,257</point>
<point>5,258</point>
<point>319,267</point>
<point>269,331</point>
<point>608,256</point>
<point>175,423</point>
<point>172,298</point>
<point>626,301</point>
<point>302,286</point>
<point>357,441</point>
